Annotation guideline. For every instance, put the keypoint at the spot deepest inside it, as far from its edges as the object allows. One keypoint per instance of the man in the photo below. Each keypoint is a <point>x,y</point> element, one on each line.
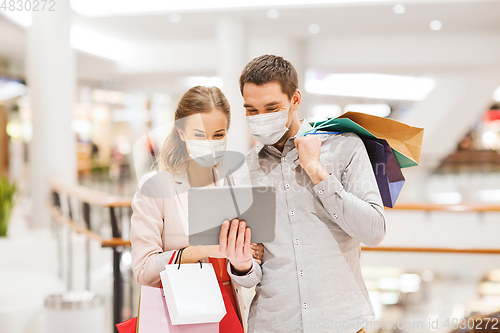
<point>327,203</point>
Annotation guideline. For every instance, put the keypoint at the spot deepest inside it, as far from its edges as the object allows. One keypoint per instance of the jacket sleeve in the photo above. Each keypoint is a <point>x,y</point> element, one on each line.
<point>145,236</point>
<point>354,203</point>
<point>252,278</point>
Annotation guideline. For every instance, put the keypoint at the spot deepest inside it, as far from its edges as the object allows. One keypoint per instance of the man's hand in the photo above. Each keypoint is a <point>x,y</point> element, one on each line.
<point>309,149</point>
<point>234,244</point>
<point>257,252</point>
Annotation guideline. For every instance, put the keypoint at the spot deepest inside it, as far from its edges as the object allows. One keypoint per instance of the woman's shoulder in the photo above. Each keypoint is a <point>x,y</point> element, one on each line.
<point>163,174</point>
<point>156,184</point>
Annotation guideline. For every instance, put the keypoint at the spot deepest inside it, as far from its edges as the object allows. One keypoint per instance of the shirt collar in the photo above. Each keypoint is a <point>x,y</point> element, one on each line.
<point>304,127</point>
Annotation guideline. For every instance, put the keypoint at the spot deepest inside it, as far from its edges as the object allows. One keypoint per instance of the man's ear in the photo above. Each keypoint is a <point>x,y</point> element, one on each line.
<point>181,134</point>
<point>296,99</point>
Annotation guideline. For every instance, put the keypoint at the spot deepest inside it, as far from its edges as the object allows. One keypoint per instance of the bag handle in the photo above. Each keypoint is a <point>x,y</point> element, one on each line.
<point>179,257</point>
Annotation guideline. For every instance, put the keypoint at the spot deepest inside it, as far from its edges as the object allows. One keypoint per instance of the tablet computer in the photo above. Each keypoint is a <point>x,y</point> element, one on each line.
<point>208,207</point>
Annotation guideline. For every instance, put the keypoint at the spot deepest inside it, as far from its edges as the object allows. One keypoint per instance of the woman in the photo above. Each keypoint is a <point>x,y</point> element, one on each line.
<point>188,159</point>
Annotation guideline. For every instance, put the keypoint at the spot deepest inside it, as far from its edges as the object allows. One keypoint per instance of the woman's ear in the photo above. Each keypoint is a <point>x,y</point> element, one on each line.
<point>181,134</point>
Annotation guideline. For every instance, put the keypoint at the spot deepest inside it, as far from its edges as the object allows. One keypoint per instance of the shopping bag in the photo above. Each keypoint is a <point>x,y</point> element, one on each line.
<point>127,326</point>
<point>154,316</point>
<point>192,294</point>
<point>405,140</point>
<point>390,179</point>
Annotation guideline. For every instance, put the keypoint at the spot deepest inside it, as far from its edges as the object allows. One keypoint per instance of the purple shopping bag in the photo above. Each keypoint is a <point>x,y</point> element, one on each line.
<point>387,171</point>
<point>154,318</point>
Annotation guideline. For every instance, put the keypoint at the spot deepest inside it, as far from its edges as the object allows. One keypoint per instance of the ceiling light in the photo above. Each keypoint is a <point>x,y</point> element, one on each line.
<point>427,275</point>
<point>388,283</point>
<point>399,9</point>
<point>20,17</point>
<point>436,25</point>
<point>273,13</point>
<point>314,28</point>
<point>10,89</point>
<point>192,81</point>
<point>120,7</point>
<point>369,85</point>
<point>496,94</point>
<point>14,130</point>
<point>409,283</point>
<point>380,110</point>
<point>175,17</point>
<point>446,198</point>
<point>98,44</point>
<point>489,137</point>
<point>489,195</point>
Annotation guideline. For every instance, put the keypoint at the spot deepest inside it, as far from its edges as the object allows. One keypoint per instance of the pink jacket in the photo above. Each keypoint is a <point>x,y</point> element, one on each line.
<point>159,225</point>
<point>159,222</point>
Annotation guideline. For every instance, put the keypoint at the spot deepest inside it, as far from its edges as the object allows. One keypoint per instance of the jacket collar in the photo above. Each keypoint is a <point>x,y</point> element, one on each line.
<point>182,186</point>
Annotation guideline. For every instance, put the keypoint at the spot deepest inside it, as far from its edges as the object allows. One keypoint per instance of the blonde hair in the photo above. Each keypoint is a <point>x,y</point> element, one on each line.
<point>174,156</point>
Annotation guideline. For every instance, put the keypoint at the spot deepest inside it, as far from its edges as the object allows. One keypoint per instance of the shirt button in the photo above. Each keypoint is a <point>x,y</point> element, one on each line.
<point>335,215</point>
<point>305,305</point>
<point>320,191</point>
<point>296,242</point>
<point>283,159</point>
<point>301,273</point>
<point>292,213</point>
<point>287,185</point>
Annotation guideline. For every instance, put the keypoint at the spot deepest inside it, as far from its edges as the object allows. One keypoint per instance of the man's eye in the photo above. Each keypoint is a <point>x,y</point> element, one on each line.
<point>252,111</point>
<point>272,109</point>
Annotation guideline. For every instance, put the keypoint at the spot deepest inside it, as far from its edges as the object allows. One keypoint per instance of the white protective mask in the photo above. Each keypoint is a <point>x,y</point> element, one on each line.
<point>269,128</point>
<point>207,153</point>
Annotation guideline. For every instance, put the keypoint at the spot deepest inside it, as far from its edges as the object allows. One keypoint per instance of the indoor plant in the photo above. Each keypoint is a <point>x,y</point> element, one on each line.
<point>7,190</point>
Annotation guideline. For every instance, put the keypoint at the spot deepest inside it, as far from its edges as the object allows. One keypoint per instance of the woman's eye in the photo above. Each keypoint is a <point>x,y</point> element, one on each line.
<point>219,135</point>
<point>199,135</point>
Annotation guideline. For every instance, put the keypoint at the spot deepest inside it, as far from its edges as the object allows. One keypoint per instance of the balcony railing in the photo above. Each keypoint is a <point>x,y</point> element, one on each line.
<point>89,198</point>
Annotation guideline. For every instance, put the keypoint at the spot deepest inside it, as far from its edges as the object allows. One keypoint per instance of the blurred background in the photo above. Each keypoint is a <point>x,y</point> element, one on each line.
<point>83,81</point>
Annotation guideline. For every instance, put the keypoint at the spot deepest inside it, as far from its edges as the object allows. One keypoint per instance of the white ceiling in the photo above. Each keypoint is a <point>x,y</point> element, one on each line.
<point>353,38</point>
<point>344,21</point>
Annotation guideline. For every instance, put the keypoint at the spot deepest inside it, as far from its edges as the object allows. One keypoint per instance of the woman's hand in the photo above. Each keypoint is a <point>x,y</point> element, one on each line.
<point>257,251</point>
<point>234,244</point>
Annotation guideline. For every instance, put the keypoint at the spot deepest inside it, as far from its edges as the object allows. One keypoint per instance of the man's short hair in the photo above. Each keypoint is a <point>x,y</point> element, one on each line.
<point>270,68</point>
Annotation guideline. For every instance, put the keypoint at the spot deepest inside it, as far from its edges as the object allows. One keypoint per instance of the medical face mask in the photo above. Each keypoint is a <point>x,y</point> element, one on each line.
<point>207,153</point>
<point>269,128</point>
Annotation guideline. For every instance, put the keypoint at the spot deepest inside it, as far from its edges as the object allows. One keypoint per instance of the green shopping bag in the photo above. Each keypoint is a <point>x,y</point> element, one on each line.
<point>404,140</point>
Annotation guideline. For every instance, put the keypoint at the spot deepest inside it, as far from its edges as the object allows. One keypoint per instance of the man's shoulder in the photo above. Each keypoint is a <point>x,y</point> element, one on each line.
<point>254,152</point>
<point>349,140</point>
<point>242,174</point>
<point>253,155</point>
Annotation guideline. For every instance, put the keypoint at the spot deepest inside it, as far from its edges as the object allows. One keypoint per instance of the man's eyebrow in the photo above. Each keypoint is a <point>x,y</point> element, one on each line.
<point>272,103</point>
<point>268,104</point>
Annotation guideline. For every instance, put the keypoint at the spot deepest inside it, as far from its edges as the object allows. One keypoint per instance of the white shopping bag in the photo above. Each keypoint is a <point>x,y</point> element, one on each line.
<point>192,294</point>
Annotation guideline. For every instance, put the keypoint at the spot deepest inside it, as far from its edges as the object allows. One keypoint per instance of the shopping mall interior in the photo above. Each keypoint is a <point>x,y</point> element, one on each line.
<point>84,82</point>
